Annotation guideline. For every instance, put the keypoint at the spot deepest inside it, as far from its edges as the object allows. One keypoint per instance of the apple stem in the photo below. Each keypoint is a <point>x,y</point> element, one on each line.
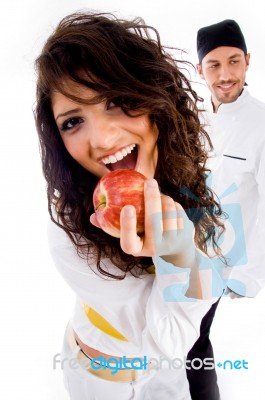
<point>100,204</point>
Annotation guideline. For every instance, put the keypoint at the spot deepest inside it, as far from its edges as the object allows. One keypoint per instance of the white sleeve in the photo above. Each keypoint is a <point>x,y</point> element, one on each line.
<point>249,279</point>
<point>152,311</point>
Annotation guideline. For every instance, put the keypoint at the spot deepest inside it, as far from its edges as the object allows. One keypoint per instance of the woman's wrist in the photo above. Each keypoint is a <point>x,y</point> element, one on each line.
<point>188,260</point>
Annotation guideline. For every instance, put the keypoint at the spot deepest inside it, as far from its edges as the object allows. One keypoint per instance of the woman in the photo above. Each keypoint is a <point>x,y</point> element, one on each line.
<point>110,97</point>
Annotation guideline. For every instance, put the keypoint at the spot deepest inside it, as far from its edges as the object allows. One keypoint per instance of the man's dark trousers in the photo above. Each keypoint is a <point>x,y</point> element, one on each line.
<point>203,382</point>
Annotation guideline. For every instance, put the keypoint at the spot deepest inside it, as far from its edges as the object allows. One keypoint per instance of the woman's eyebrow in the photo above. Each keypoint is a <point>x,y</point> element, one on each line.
<point>74,110</point>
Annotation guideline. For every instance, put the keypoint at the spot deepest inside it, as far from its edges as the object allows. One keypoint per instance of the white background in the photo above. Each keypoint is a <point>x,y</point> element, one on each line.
<point>35,302</point>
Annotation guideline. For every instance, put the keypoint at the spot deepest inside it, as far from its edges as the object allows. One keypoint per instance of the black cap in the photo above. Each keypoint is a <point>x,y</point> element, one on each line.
<point>225,33</point>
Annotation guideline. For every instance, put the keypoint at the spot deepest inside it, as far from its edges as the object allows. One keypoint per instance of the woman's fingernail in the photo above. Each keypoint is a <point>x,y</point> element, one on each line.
<point>129,211</point>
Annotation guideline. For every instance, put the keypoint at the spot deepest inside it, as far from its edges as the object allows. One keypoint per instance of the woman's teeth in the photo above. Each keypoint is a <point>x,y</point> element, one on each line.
<point>119,155</point>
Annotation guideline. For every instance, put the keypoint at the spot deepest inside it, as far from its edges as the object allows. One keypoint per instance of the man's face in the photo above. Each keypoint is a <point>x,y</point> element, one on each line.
<point>224,71</point>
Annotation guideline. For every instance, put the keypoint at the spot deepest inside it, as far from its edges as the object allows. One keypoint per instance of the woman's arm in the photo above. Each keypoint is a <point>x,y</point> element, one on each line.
<point>168,234</point>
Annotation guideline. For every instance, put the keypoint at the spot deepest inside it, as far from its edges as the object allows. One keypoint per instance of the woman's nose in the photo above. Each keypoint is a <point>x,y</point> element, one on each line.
<point>101,133</point>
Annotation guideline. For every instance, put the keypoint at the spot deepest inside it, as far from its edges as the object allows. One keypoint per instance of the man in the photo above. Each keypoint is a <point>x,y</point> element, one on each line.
<point>237,131</point>
<point>236,124</point>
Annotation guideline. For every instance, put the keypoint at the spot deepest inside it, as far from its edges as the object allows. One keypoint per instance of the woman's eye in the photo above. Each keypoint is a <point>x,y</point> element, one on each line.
<point>111,105</point>
<point>71,123</point>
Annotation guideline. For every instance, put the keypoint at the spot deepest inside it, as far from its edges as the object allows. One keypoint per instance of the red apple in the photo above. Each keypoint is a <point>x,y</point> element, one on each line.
<point>115,190</point>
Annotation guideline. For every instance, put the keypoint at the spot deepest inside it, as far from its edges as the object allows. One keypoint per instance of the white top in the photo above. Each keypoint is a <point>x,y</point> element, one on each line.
<point>151,314</point>
<point>237,163</point>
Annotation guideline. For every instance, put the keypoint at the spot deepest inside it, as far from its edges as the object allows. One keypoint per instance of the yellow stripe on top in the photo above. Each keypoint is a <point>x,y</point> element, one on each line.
<point>101,323</point>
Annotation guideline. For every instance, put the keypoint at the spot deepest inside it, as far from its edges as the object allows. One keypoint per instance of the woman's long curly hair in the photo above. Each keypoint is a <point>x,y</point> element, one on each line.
<point>125,63</point>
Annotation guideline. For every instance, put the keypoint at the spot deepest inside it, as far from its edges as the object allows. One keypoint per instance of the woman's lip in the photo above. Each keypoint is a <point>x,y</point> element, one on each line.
<point>106,169</point>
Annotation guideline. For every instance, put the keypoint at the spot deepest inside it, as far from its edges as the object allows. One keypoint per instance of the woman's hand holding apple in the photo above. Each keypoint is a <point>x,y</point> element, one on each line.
<point>168,231</point>
<point>129,206</point>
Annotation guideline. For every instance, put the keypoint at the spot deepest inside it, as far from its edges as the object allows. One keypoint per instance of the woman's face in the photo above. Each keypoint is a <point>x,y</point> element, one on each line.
<point>102,138</point>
